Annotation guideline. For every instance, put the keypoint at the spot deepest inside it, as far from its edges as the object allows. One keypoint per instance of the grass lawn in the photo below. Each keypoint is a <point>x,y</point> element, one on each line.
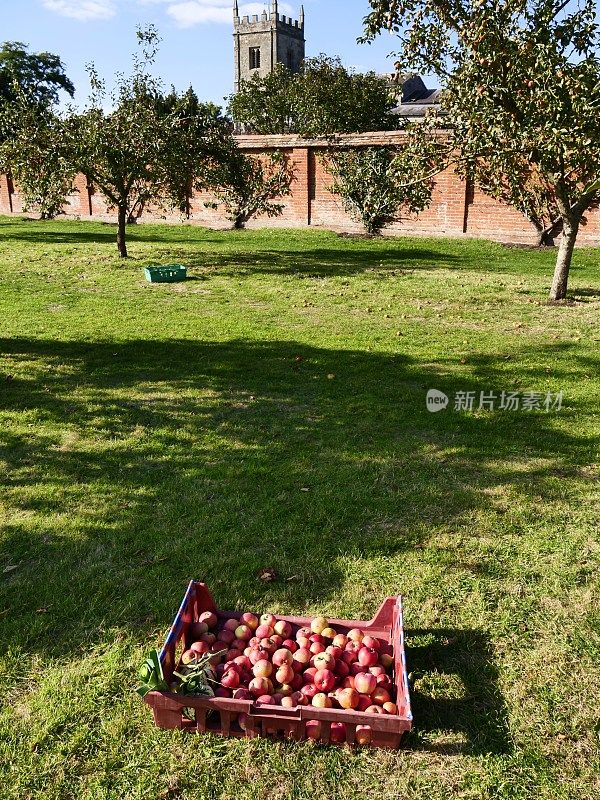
<point>271,412</point>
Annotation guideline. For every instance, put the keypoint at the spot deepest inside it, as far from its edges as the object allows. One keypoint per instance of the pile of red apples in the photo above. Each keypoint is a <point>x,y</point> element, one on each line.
<point>271,662</point>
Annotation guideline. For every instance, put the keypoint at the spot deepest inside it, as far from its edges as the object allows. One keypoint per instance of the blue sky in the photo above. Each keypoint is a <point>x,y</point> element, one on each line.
<point>197,46</point>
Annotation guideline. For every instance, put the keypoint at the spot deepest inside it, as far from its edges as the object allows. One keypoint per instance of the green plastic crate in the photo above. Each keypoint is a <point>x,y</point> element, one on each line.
<point>169,273</point>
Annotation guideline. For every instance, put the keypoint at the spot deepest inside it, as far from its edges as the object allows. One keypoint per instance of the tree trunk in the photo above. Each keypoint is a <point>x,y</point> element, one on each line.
<point>563,260</point>
<point>121,232</point>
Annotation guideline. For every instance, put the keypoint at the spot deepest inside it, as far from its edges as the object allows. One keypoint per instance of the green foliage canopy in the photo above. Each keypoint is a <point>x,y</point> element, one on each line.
<point>522,95</point>
<point>323,98</point>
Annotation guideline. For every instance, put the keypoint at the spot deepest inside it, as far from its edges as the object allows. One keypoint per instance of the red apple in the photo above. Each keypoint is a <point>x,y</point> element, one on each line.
<point>372,642</point>
<point>352,646</point>
<point>231,624</point>
<point>283,628</point>
<point>285,674</point>
<point>324,661</point>
<point>276,639</point>
<point>282,656</point>
<point>242,694</point>
<point>297,682</point>
<point>200,648</point>
<point>240,644</point>
<point>198,629</point>
<point>313,729</point>
<point>189,657</point>
<point>230,679</point>
<point>340,640</point>
<point>304,642</point>
<point>319,624</point>
<point>356,635</point>
<point>266,700</point>
<point>363,734</point>
<point>233,654</point>
<point>218,647</point>
<point>226,636</point>
<point>308,674</point>
<point>355,668</point>
<point>324,680</point>
<point>264,631</point>
<point>386,660</point>
<point>337,733</point>
<point>269,645</point>
<point>341,669</point>
<point>299,699</point>
<point>303,632</point>
<point>347,682</point>
<point>365,683</point>
<point>262,669</point>
<point>320,700</point>
<point>309,690</point>
<point>288,701</point>
<point>377,670</point>
<point>250,620</point>
<point>316,637</point>
<point>348,698</point>
<point>336,652</point>
<point>244,632</point>
<point>385,682</point>
<point>209,638</point>
<point>380,696</point>
<point>374,710</point>
<point>317,647</point>
<point>260,686</point>
<point>243,661</point>
<point>290,645</point>
<point>390,708</point>
<point>348,657</point>
<point>209,618</point>
<point>364,701</point>
<point>367,657</point>
<point>268,619</point>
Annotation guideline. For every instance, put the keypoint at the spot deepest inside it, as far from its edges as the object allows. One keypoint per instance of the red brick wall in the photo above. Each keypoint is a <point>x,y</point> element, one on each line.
<point>456,209</point>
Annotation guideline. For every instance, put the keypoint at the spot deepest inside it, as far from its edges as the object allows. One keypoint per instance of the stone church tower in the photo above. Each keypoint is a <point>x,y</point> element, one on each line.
<point>263,41</point>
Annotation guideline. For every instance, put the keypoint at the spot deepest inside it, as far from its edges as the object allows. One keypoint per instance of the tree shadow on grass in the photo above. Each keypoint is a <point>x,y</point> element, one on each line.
<point>322,262</point>
<point>131,468</point>
<point>455,694</point>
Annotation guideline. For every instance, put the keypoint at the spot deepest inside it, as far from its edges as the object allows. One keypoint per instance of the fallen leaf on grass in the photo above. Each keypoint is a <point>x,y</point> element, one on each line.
<point>10,568</point>
<point>267,574</point>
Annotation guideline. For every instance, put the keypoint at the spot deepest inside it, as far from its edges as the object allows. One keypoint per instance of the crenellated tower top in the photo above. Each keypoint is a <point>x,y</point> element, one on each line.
<point>264,40</point>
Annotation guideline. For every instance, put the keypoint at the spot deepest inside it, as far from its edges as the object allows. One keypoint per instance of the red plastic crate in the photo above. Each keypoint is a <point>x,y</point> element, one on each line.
<point>275,721</point>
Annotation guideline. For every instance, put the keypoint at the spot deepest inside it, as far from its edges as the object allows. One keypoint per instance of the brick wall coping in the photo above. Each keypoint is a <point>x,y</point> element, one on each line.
<point>288,140</point>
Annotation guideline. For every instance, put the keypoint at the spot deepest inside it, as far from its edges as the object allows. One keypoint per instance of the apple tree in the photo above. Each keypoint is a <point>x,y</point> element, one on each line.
<point>378,184</point>
<point>522,95</point>
<point>36,150</point>
<point>141,152</point>
<point>247,186</point>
